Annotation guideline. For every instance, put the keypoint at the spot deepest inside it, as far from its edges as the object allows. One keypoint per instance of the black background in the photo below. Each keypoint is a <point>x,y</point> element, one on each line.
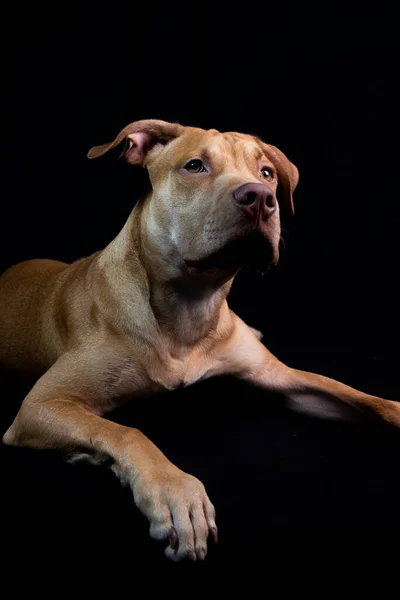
<point>318,83</point>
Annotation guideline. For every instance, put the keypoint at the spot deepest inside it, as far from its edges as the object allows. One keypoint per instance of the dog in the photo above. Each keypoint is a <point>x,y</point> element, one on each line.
<point>149,313</point>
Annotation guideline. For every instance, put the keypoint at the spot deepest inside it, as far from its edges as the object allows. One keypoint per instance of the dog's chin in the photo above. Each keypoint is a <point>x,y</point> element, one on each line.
<point>254,250</point>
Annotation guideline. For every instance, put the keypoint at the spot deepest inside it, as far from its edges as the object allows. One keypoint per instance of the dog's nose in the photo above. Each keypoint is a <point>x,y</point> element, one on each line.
<point>255,199</point>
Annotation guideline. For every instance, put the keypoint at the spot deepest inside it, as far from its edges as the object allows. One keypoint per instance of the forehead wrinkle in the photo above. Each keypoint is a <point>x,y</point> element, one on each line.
<point>259,153</point>
<point>233,151</point>
<point>224,149</point>
<point>249,146</point>
<point>205,155</point>
<point>215,152</point>
<point>246,152</point>
<point>191,143</point>
<point>268,161</point>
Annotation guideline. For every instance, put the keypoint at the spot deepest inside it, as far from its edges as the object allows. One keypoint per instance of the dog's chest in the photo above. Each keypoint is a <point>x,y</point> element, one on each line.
<point>171,372</point>
<point>127,376</point>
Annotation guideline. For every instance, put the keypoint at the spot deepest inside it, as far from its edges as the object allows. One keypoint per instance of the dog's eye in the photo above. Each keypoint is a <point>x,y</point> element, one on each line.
<point>266,173</point>
<point>195,166</point>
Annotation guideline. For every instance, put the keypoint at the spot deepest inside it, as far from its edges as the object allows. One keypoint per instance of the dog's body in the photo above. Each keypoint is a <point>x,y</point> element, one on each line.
<point>149,313</point>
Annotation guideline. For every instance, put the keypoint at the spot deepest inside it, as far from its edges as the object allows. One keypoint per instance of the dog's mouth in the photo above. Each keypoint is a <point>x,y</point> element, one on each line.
<point>253,250</point>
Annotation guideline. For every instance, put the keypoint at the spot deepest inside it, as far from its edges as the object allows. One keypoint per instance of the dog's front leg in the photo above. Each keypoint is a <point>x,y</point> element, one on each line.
<point>62,412</point>
<point>249,359</point>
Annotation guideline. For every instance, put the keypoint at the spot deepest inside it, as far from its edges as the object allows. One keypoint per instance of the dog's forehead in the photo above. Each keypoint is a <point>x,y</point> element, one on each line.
<point>230,145</point>
<point>236,145</point>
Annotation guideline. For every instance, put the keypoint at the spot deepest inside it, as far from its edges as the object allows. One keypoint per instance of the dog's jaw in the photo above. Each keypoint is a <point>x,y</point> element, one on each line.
<point>253,250</point>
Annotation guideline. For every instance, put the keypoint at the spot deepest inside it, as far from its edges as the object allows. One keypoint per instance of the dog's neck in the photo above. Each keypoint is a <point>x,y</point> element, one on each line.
<point>181,305</point>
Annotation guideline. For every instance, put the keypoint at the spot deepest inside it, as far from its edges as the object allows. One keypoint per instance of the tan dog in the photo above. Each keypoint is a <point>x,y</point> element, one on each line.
<point>149,312</point>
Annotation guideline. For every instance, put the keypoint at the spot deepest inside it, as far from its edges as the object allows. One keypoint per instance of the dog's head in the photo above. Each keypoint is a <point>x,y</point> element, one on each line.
<point>216,197</point>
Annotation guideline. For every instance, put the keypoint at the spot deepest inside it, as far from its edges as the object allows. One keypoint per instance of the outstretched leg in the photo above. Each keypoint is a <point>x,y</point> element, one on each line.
<point>249,359</point>
<point>62,412</point>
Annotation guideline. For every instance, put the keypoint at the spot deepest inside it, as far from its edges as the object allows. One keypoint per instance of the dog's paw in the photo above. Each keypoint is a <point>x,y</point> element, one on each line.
<point>179,511</point>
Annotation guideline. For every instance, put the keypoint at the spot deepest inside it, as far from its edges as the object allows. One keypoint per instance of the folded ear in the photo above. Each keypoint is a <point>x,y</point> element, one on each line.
<point>288,177</point>
<point>136,139</point>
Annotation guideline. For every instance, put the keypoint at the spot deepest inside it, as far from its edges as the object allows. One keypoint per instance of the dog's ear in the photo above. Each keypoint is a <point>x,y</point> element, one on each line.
<point>135,141</point>
<point>288,177</point>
